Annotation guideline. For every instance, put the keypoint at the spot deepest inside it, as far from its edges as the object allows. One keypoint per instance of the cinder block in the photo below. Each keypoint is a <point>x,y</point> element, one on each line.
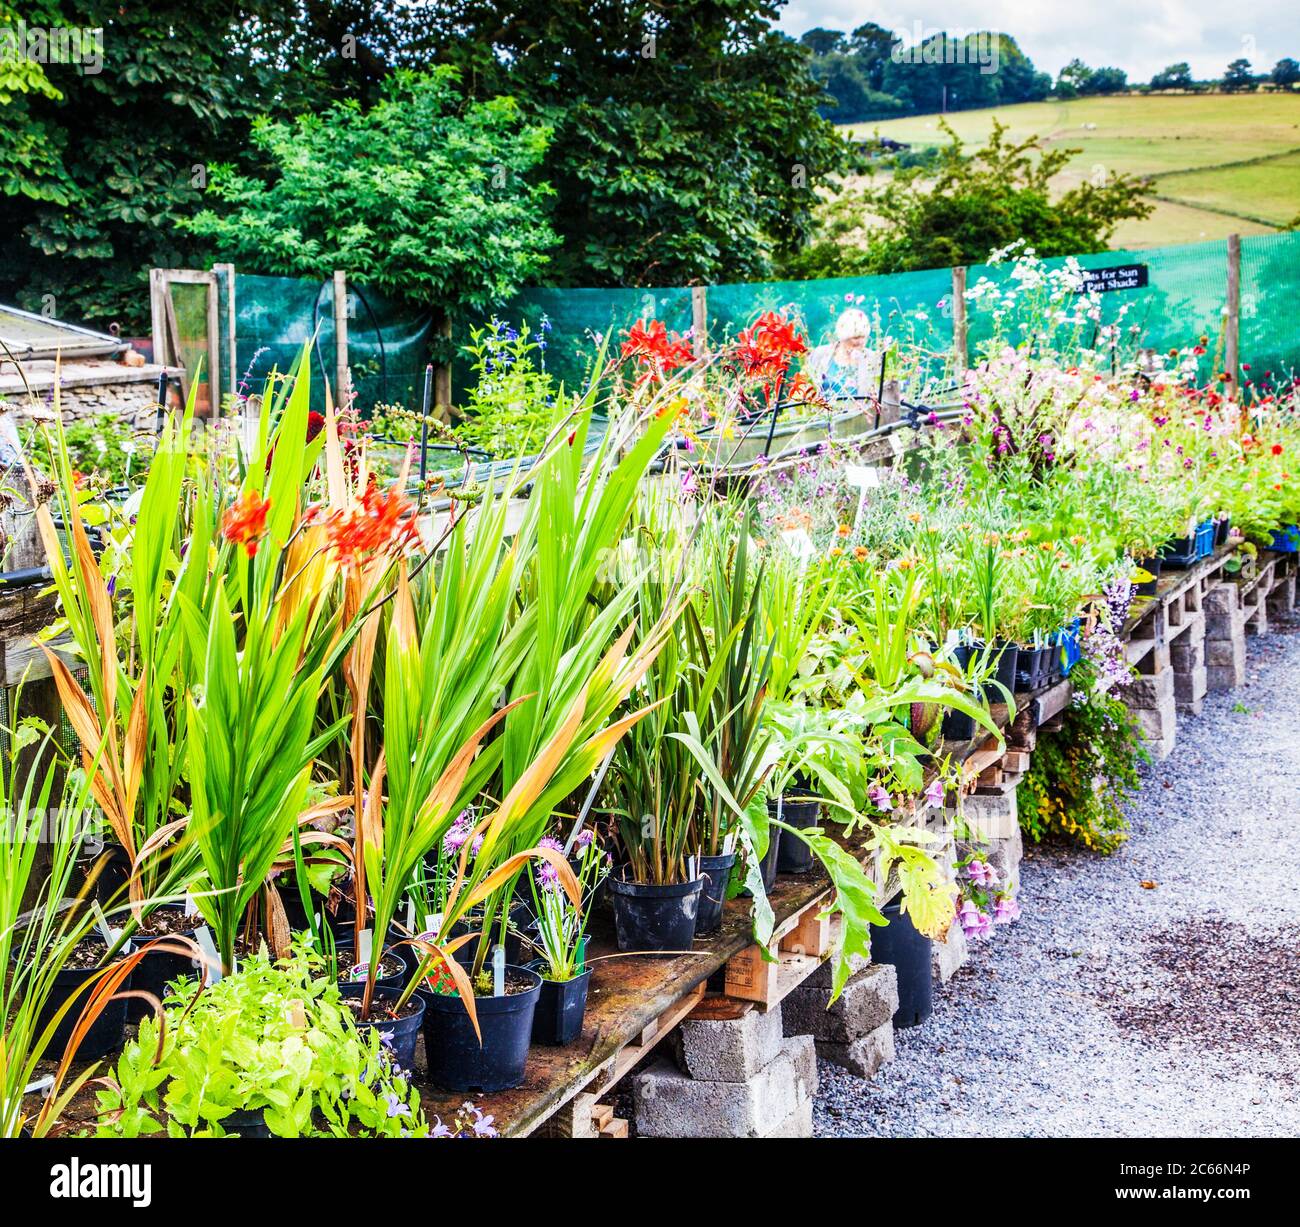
<point>1190,687</point>
<point>1156,723</point>
<point>732,1049</point>
<point>991,817</point>
<point>868,1002</point>
<point>669,1104</point>
<point>799,1124</point>
<point>1221,602</point>
<point>1187,656</point>
<point>949,955</point>
<point>863,1056</point>
<point>1195,632</point>
<point>1150,690</point>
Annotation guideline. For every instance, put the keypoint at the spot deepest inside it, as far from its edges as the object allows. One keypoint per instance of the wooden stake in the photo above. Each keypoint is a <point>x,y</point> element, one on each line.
<point>959,332</point>
<point>341,381</point>
<point>1232,353</point>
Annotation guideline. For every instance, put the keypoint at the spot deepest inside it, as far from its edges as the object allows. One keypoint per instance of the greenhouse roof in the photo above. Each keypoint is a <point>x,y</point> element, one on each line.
<point>26,335</point>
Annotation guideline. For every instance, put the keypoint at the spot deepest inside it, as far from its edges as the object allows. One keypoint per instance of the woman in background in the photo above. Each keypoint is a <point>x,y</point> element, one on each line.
<point>844,370</point>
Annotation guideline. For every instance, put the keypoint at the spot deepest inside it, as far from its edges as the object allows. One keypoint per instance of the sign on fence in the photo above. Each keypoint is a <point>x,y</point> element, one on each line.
<point>1117,277</point>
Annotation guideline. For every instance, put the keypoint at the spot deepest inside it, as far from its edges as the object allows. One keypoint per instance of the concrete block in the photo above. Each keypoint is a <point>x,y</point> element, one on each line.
<point>730,1050</point>
<point>669,1104</point>
<point>1187,656</point>
<point>1221,602</point>
<point>1150,690</point>
<point>863,1056</point>
<point>1155,723</point>
<point>799,1124</point>
<point>867,1003</point>
<point>949,955</point>
<point>990,818</point>
<point>1190,687</point>
<point>1195,632</point>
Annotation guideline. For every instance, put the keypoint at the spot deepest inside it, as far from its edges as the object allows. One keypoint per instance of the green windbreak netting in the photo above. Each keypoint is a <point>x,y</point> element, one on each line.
<point>388,344</point>
<point>1270,319</point>
<point>1184,297</point>
<point>576,322</point>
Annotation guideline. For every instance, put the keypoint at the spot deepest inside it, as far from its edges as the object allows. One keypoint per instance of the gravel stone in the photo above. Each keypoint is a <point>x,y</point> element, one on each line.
<point>1114,1009</point>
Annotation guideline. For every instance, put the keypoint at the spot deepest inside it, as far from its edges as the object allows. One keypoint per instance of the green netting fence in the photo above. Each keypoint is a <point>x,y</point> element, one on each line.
<point>1185,297</point>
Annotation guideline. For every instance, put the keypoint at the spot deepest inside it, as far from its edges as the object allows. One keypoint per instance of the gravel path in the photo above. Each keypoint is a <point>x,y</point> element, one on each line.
<point>1112,1010</point>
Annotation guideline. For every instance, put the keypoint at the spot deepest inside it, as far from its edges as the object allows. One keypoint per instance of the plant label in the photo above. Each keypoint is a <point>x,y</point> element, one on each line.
<point>498,971</point>
<point>208,962</point>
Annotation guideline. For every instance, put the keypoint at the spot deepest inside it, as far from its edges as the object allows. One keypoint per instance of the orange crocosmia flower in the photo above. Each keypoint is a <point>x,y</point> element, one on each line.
<point>245,523</point>
<point>651,344</point>
<point>380,523</point>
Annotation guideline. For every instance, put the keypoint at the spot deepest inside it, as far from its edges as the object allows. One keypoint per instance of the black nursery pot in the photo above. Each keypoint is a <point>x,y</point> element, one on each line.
<point>457,1061</point>
<point>958,726</point>
<point>406,955</point>
<point>1152,567</point>
<point>401,1032</point>
<point>653,917</point>
<point>908,951</point>
<point>247,1123</point>
<point>716,871</point>
<point>1029,668</point>
<point>560,1008</point>
<point>772,857</point>
<point>1008,659</point>
<point>106,1032</point>
<point>1221,528</point>
<point>1178,553</point>
<point>794,856</point>
<point>157,969</point>
<point>521,916</point>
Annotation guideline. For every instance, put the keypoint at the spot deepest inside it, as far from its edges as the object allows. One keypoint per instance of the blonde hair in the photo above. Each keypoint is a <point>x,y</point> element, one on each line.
<point>852,323</point>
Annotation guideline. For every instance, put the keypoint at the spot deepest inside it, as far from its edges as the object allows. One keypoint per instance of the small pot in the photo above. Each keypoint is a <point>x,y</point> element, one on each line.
<point>796,810</point>
<point>958,726</point>
<point>1152,566</point>
<point>1179,553</point>
<point>401,1033</point>
<point>158,968</point>
<point>247,1123</point>
<point>457,1060</point>
<point>406,955</point>
<point>648,916</point>
<point>767,867</point>
<point>521,916</point>
<point>560,1009</point>
<point>716,871</point>
<point>900,944</point>
<point>105,1034</point>
<point>1029,668</point>
<point>1008,657</point>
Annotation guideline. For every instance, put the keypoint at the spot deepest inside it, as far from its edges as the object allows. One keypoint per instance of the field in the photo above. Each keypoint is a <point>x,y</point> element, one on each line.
<point>1222,164</point>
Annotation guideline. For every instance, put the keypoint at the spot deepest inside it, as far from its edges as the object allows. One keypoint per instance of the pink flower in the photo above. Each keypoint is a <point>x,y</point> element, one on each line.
<point>1006,910</point>
<point>934,793</point>
<point>974,923</point>
<point>981,873</point>
<point>880,797</point>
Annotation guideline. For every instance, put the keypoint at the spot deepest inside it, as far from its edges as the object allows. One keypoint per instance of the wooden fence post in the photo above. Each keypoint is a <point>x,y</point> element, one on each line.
<point>699,319</point>
<point>959,335</point>
<point>442,372</point>
<point>341,380</point>
<point>1232,339</point>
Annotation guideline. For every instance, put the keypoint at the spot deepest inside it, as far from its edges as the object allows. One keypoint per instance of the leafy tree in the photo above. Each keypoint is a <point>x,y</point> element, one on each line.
<point>966,205</point>
<point>96,168</point>
<point>1106,81</point>
<point>821,41</point>
<point>687,145</point>
<point>1175,76</point>
<point>1237,76</point>
<point>1286,72</point>
<point>1073,79</point>
<point>853,99</point>
<point>421,195</point>
<point>871,44</point>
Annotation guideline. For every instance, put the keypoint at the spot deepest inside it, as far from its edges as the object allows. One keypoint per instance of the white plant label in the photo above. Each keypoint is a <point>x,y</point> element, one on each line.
<point>209,964</point>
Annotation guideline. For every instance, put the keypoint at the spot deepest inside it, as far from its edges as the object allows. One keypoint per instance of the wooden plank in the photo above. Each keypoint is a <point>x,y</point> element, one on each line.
<point>341,377</point>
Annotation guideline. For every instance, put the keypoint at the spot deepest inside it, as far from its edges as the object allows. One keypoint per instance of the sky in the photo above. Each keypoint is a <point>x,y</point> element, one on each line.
<point>1139,36</point>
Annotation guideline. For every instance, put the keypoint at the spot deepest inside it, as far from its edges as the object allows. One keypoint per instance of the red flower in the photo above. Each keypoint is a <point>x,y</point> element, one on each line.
<point>383,523</point>
<point>245,523</point>
<point>767,346</point>
<point>652,345</point>
<point>1277,449</point>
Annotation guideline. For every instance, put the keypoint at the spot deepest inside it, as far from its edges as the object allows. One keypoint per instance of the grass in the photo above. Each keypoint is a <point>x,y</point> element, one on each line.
<point>1223,164</point>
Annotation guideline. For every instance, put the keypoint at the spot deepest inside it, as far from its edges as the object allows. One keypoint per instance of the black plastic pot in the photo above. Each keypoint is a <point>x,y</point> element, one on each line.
<point>560,1008</point>
<point>1008,657</point>
<point>908,951</point>
<point>1028,668</point>
<point>521,916</point>
<point>247,1123</point>
<point>106,1032</point>
<point>716,871</point>
<point>157,969</point>
<point>406,955</point>
<point>1179,553</point>
<point>457,1061</point>
<point>1152,567</point>
<point>1221,530</point>
<point>652,917</point>
<point>794,856</point>
<point>958,726</point>
<point>1052,671</point>
<point>772,857</point>
<point>400,1033</point>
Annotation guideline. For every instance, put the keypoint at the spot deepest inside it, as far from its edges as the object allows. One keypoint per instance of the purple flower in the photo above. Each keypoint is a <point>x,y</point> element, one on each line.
<point>395,1106</point>
<point>439,1130</point>
<point>934,793</point>
<point>1006,909</point>
<point>880,797</point>
<point>981,873</point>
<point>974,923</point>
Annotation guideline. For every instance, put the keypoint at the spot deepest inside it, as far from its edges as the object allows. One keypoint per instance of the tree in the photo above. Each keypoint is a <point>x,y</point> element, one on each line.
<point>824,42</point>
<point>1175,76</point>
<point>966,205</point>
<point>96,168</point>
<point>687,145</point>
<point>871,44</point>
<point>1106,81</point>
<point>1073,79</point>
<point>853,98</point>
<point>423,195</point>
<point>1286,72</point>
<point>1238,76</point>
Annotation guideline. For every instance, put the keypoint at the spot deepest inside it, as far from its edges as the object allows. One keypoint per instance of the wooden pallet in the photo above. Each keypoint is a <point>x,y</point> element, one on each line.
<point>803,942</point>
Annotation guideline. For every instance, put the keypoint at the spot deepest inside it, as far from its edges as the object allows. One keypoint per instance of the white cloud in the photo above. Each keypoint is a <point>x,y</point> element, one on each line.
<point>1140,36</point>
